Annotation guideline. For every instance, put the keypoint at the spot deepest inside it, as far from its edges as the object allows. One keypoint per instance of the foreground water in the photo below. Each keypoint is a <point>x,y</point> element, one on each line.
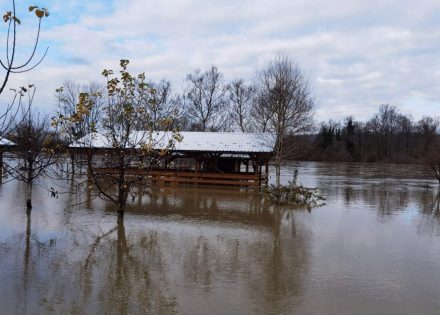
<point>374,248</point>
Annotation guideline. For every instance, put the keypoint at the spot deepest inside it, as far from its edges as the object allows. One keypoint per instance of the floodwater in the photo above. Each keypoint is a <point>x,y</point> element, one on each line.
<point>374,248</point>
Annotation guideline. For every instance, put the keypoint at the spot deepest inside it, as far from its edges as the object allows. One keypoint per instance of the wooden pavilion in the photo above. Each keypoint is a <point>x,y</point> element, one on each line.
<point>215,158</point>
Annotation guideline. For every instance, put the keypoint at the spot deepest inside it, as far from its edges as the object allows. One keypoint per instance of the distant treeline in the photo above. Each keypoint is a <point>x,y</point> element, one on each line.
<point>389,136</point>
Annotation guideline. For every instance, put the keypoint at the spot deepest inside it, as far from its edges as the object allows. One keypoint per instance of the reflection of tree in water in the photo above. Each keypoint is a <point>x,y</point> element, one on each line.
<point>23,269</point>
<point>284,260</point>
<point>390,198</point>
<point>429,201</point>
<point>269,263</point>
<point>120,275</point>
<point>217,205</point>
<point>189,251</point>
<point>386,198</point>
<point>387,187</point>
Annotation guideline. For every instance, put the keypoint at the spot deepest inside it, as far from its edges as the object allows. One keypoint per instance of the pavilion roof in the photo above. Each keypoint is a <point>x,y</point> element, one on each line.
<point>238,142</point>
<point>6,142</point>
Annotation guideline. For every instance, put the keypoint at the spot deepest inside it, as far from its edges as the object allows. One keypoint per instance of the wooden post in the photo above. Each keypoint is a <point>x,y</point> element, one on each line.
<point>197,165</point>
<point>259,175</point>
<point>237,166</point>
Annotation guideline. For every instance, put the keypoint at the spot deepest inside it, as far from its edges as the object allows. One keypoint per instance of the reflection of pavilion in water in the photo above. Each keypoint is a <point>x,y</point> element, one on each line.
<point>177,251</point>
<point>222,205</point>
<point>256,270</point>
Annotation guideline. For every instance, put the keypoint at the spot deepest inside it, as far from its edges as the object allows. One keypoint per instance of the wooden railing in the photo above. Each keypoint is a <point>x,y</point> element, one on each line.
<point>192,177</point>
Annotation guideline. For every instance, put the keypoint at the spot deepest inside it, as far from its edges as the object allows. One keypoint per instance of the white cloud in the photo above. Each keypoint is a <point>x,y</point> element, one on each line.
<point>359,54</point>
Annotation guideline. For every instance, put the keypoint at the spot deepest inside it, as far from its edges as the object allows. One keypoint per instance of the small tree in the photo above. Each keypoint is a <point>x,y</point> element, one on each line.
<point>284,106</point>
<point>125,132</point>
<point>36,148</point>
<point>9,113</point>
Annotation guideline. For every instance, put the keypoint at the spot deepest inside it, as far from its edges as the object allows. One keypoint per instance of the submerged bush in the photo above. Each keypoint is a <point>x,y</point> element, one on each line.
<point>294,194</point>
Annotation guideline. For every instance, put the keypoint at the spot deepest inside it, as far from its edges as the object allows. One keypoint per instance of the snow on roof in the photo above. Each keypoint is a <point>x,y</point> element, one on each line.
<point>191,141</point>
<point>4,142</point>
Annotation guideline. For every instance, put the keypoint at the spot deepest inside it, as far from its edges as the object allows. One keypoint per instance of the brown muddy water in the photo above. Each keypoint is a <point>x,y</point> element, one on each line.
<point>374,248</point>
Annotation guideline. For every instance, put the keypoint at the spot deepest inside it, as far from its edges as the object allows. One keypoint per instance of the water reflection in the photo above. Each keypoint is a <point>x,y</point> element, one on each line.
<point>387,188</point>
<point>178,251</point>
<point>429,205</point>
<point>195,250</point>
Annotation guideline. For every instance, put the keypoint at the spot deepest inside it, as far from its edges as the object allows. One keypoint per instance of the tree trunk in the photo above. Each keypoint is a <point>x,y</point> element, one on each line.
<point>29,182</point>
<point>27,250</point>
<point>29,196</point>
<point>122,189</point>
<point>279,157</point>
<point>121,212</point>
<point>122,200</point>
<point>278,173</point>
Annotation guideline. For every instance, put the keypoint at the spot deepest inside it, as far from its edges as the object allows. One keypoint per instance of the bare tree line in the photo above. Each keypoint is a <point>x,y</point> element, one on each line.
<point>278,102</point>
<point>209,103</point>
<point>388,136</point>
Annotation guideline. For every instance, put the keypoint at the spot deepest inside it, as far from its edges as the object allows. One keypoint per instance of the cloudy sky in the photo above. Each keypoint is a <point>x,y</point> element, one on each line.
<point>358,54</point>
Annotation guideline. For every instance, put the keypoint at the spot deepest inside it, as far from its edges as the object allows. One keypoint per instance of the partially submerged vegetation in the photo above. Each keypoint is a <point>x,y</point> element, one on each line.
<point>432,162</point>
<point>293,194</point>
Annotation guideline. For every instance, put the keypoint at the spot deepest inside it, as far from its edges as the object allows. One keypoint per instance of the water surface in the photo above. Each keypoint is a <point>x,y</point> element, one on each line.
<point>374,248</point>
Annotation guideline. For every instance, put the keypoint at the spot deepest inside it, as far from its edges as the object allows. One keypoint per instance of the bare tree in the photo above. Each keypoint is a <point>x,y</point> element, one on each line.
<point>162,106</point>
<point>123,145</point>
<point>205,99</point>
<point>14,109</point>
<point>383,125</point>
<point>36,149</point>
<point>240,97</point>
<point>285,105</point>
<point>427,127</point>
<point>68,99</point>
<point>260,113</point>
